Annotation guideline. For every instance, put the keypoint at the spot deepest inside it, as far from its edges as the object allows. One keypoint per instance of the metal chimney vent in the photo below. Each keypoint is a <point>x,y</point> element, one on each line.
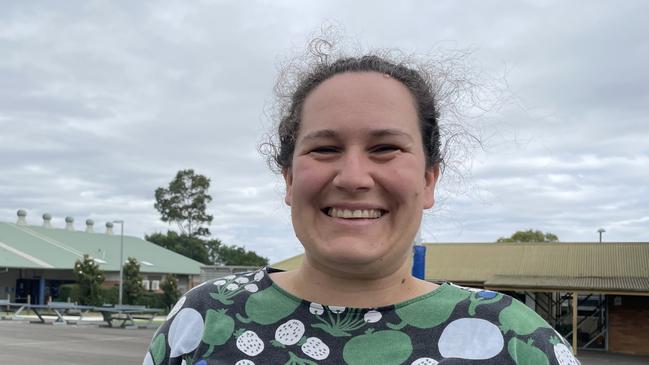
<point>21,217</point>
<point>47,220</point>
<point>69,223</point>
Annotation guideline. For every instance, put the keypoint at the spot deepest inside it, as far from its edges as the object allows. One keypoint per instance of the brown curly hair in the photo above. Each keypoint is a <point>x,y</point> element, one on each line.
<point>280,147</point>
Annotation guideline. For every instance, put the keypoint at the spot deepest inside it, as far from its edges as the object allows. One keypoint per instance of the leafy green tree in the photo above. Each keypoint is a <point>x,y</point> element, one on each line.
<point>170,292</point>
<point>133,288</point>
<point>184,203</point>
<point>192,247</point>
<point>530,236</point>
<point>221,254</point>
<point>90,277</point>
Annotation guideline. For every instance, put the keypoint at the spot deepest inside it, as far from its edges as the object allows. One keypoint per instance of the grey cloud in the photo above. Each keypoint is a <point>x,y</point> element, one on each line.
<point>100,103</point>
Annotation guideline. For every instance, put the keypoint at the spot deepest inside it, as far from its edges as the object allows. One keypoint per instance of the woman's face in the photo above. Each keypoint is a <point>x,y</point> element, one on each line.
<point>359,183</point>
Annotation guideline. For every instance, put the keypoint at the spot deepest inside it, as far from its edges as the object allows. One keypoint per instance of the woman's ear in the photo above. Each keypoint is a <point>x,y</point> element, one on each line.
<point>288,180</point>
<point>431,176</point>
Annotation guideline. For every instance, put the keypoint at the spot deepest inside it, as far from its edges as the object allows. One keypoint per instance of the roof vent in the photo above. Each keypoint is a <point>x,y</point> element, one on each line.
<point>47,220</point>
<point>69,223</point>
<point>89,224</point>
<point>21,217</point>
<point>109,228</point>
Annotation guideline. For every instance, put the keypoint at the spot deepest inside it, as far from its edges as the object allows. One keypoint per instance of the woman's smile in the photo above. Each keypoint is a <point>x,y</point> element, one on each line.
<point>354,214</point>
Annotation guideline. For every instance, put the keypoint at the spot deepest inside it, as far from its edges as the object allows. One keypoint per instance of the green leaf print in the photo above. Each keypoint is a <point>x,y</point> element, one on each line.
<point>429,312</point>
<point>223,298</point>
<point>382,347</point>
<point>218,329</point>
<point>231,286</point>
<point>521,319</point>
<point>525,353</point>
<point>340,327</point>
<point>158,349</point>
<point>267,307</point>
<point>296,360</point>
<point>482,297</point>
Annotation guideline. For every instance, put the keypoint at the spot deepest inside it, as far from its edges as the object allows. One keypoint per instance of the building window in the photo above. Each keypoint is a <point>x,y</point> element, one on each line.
<point>145,285</point>
<point>155,285</point>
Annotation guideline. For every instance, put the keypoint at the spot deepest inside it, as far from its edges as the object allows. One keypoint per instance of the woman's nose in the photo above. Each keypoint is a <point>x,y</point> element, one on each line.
<point>353,172</point>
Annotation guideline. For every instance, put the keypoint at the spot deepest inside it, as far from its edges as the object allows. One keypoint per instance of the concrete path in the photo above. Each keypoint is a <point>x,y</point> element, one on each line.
<point>602,358</point>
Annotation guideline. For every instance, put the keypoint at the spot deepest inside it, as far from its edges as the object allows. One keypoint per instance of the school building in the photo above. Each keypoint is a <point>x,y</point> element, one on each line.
<point>35,260</point>
<point>610,282</point>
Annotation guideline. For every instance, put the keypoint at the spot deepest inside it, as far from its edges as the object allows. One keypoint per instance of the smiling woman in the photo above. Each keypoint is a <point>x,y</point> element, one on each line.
<point>359,149</point>
<point>358,182</point>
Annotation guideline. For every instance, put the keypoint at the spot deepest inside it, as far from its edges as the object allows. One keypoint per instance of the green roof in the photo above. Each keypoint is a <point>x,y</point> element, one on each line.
<point>33,247</point>
<point>590,267</point>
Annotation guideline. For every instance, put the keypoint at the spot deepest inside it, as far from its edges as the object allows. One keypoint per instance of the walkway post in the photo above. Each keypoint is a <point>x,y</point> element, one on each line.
<point>575,299</point>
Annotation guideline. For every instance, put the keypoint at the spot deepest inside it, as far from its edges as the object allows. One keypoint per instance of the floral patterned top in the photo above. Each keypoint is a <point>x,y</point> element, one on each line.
<point>246,320</point>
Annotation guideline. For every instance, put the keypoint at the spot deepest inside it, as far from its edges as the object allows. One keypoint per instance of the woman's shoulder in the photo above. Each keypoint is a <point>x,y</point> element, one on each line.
<point>496,323</point>
<point>212,304</point>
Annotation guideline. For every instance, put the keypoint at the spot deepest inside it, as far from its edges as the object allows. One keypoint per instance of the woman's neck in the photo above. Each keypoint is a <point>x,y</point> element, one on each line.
<point>329,287</point>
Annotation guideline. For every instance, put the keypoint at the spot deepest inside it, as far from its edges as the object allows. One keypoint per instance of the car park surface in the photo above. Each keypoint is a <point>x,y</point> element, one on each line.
<point>23,342</point>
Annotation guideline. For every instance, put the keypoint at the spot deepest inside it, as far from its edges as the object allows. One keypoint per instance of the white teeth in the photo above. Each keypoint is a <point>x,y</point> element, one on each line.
<point>354,214</point>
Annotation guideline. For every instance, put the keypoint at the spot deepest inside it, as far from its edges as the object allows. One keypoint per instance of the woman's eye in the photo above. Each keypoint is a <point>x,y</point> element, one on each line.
<point>324,149</point>
<point>385,148</point>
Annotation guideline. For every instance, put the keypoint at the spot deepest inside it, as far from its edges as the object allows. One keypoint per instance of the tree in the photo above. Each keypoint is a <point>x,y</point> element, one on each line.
<point>170,292</point>
<point>192,247</point>
<point>221,254</point>
<point>133,288</point>
<point>530,236</point>
<point>90,277</point>
<point>184,202</point>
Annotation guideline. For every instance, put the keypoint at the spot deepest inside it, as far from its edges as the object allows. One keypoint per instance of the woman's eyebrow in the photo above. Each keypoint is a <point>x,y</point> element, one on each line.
<point>321,134</point>
<point>390,133</point>
<point>378,133</point>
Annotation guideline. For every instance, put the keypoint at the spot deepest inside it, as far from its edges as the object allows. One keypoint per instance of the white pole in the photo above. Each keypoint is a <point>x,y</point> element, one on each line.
<point>121,258</point>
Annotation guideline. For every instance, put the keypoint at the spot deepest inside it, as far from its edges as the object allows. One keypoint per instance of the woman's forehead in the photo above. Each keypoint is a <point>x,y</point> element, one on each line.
<point>358,87</point>
<point>365,99</point>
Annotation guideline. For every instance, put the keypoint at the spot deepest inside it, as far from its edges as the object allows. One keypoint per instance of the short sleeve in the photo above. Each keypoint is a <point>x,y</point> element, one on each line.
<point>180,335</point>
<point>533,340</point>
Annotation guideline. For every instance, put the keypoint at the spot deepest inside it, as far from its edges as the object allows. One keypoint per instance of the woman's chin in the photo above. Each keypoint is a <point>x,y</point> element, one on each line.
<point>348,255</point>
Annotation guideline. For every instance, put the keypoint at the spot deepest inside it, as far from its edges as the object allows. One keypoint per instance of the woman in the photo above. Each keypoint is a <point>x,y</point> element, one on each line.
<point>360,153</point>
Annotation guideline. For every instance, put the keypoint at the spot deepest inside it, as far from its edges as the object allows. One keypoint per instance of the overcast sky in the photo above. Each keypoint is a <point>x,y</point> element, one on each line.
<point>103,102</point>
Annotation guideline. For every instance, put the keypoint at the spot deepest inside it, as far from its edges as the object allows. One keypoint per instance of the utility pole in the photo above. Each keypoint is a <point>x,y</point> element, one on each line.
<point>121,259</point>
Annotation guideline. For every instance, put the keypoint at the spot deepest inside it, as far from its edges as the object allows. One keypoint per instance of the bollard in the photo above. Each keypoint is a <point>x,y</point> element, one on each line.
<point>419,262</point>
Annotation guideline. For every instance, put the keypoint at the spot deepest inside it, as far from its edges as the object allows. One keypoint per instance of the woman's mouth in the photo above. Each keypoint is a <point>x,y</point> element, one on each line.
<point>354,213</point>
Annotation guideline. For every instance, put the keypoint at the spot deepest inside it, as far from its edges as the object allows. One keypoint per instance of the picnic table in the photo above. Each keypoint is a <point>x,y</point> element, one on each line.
<point>127,314</point>
<point>6,306</point>
<point>52,309</point>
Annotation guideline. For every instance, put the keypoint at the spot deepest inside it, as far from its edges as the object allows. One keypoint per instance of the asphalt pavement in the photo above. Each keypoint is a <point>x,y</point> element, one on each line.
<point>22,342</point>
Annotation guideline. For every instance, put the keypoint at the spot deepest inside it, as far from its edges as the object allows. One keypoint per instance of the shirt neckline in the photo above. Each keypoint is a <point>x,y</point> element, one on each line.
<point>443,287</point>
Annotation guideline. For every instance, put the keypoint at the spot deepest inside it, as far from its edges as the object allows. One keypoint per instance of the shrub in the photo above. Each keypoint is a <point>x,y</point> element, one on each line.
<point>70,291</point>
<point>90,278</point>
<point>110,295</point>
<point>151,300</point>
<point>133,288</point>
<point>170,292</point>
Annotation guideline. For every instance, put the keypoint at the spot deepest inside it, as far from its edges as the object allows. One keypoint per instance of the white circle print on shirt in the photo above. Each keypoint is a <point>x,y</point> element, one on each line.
<point>185,332</point>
